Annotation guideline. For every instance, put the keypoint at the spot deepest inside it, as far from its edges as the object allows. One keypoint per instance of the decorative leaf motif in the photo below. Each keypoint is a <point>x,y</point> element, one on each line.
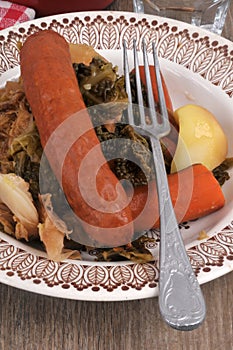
<point>45,268</point>
<point>202,61</point>
<point>217,70</point>
<point>226,237</point>
<point>167,46</point>
<point>227,83</point>
<point>213,249</point>
<point>185,52</point>
<point>121,274</point>
<point>90,36</point>
<point>96,274</point>
<point>72,35</point>
<point>12,54</point>
<point>146,272</point>
<point>76,30</point>
<point>70,273</point>
<point>196,259</point>
<point>66,35</point>
<point>6,251</point>
<point>150,37</point>
<point>129,35</point>
<point>109,37</point>
<point>4,66</point>
<point>23,261</point>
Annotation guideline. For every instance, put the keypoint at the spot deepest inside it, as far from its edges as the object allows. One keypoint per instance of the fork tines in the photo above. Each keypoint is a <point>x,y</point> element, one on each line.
<point>161,122</point>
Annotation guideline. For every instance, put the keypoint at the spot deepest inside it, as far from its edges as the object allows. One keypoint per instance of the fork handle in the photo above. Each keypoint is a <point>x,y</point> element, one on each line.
<point>181,301</point>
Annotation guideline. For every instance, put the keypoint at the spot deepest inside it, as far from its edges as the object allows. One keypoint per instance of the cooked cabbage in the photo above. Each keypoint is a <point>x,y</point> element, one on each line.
<point>14,193</point>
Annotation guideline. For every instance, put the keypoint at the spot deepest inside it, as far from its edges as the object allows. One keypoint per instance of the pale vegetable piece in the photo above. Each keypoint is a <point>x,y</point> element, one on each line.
<point>53,231</point>
<point>201,139</point>
<point>52,238</point>
<point>14,193</point>
<point>47,211</point>
<point>83,53</point>
<point>20,231</point>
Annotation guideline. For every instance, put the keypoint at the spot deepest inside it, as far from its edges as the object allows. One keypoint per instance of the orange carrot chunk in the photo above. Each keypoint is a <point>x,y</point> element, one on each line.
<point>194,192</point>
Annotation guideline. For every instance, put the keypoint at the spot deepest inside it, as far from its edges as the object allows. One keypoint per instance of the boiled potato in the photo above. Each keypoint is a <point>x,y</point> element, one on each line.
<point>201,139</point>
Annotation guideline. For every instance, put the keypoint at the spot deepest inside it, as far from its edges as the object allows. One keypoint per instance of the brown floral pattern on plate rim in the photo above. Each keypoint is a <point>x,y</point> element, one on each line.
<point>200,54</point>
<point>176,42</point>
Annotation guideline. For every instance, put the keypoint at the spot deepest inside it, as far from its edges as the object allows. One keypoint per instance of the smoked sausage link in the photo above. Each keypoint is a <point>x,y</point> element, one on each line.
<point>52,91</point>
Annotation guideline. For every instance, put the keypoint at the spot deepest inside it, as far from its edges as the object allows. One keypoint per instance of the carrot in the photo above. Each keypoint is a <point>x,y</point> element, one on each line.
<point>154,85</point>
<point>53,94</point>
<point>169,141</point>
<point>194,192</point>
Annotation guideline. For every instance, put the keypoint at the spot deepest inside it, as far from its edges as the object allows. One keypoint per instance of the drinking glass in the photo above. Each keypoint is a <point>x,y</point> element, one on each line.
<point>209,14</point>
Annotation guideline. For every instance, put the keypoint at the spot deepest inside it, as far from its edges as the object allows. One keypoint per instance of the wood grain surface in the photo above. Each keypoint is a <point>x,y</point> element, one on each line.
<point>34,322</point>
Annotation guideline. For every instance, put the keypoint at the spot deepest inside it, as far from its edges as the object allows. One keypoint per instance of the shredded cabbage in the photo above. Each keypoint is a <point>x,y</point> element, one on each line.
<point>14,193</point>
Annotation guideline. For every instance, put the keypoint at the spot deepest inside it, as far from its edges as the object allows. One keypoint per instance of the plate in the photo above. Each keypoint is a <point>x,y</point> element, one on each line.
<point>198,68</point>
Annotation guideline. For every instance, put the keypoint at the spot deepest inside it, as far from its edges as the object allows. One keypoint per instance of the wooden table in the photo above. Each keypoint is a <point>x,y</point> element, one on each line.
<point>31,321</point>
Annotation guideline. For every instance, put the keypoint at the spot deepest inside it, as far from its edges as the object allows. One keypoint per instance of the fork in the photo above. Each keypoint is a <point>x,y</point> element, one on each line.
<point>181,302</point>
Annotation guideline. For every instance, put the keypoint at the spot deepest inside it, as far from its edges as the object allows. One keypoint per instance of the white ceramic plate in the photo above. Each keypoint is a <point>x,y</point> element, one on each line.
<point>198,68</point>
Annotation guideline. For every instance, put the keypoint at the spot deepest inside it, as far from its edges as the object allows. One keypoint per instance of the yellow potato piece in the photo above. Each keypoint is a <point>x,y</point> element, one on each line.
<point>201,139</point>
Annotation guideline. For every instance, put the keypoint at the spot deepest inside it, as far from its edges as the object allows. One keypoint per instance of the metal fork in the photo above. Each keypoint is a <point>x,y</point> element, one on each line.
<point>181,301</point>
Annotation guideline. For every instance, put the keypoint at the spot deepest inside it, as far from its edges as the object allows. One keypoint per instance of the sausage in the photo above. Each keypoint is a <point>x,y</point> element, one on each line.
<point>53,94</point>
